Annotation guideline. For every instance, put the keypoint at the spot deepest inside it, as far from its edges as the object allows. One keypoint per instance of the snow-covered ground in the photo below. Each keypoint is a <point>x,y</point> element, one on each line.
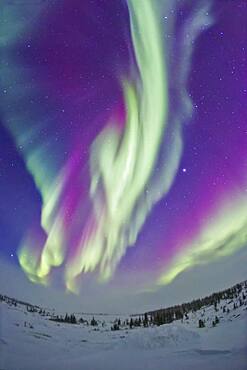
<point>29,341</point>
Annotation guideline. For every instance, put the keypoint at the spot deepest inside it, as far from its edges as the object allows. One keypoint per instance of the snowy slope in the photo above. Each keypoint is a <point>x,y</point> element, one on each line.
<point>29,341</point>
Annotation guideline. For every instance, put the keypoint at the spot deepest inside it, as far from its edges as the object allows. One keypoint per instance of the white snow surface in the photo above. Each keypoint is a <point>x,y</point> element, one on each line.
<point>29,341</point>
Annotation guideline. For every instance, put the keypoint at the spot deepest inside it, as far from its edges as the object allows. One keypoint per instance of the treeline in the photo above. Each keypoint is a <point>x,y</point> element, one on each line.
<point>36,309</point>
<point>14,302</point>
<point>8,300</point>
<point>71,319</point>
<point>236,296</point>
<point>177,312</point>
<point>142,320</point>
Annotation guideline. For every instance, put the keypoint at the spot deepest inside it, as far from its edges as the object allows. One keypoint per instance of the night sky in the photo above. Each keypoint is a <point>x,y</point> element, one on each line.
<point>123,139</point>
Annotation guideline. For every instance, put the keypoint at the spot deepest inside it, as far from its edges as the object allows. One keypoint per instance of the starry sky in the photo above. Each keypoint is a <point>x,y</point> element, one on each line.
<point>123,143</point>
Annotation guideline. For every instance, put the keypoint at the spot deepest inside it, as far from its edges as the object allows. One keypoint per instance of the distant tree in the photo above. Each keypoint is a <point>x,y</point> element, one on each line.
<point>115,327</point>
<point>201,324</point>
<point>161,319</point>
<point>73,319</point>
<point>93,322</point>
<point>145,320</point>
<point>131,323</point>
<point>169,318</point>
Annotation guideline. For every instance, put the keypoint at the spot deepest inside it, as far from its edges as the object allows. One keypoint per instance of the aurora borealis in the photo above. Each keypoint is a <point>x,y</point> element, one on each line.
<point>124,136</point>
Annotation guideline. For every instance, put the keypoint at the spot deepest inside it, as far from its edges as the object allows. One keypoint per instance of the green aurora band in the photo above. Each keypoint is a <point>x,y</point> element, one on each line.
<point>123,164</point>
<point>223,234</point>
